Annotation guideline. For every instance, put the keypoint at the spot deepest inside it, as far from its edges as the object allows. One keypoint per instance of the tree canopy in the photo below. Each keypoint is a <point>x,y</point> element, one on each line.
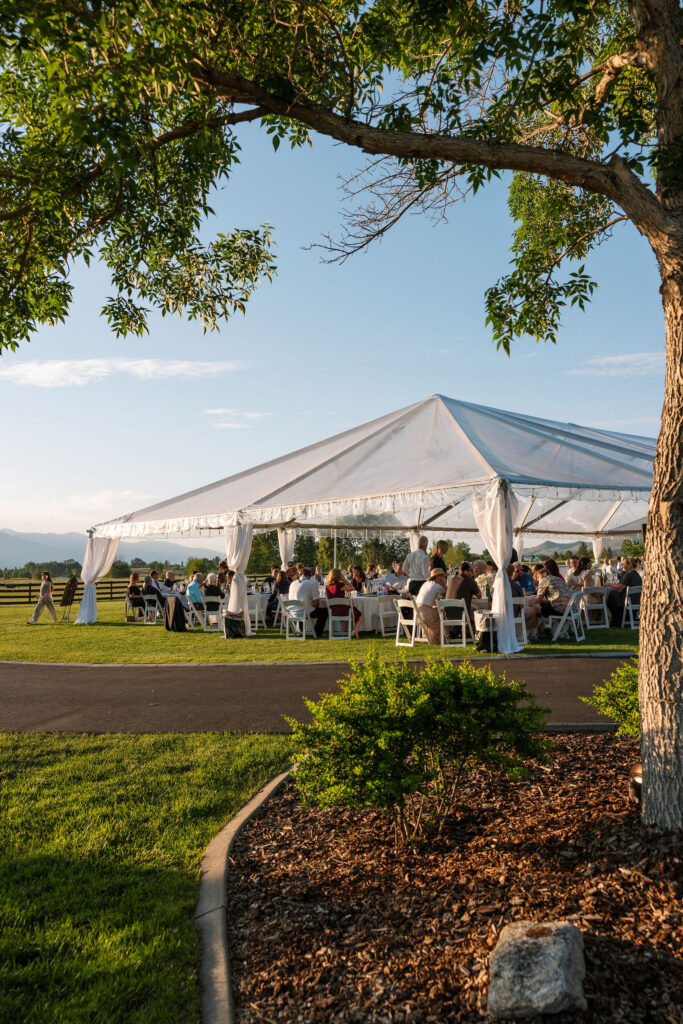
<point>119,118</point>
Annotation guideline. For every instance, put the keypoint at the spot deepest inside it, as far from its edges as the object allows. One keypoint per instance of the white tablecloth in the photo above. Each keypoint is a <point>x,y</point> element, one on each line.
<point>368,606</point>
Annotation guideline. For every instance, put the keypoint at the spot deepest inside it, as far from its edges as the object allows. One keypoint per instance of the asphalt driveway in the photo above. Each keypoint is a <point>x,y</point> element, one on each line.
<point>236,698</point>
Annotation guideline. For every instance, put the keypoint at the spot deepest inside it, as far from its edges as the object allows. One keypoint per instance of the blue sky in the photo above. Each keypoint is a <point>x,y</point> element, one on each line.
<point>97,426</point>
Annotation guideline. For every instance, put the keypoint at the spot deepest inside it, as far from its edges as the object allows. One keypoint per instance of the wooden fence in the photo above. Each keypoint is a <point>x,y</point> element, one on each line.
<point>27,591</point>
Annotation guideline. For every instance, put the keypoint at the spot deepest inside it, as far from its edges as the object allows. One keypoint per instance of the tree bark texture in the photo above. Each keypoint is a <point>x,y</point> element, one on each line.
<point>661,631</point>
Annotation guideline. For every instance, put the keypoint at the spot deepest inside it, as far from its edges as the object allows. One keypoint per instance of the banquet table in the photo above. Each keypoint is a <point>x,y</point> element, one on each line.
<point>261,601</point>
<point>368,606</point>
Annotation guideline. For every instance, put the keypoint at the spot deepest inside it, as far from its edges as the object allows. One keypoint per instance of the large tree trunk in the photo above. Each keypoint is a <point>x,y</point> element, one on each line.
<point>661,633</point>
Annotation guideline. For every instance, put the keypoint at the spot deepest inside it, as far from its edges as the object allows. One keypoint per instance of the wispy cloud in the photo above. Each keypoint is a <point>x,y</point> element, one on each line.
<point>63,373</point>
<point>637,364</point>
<point>236,419</point>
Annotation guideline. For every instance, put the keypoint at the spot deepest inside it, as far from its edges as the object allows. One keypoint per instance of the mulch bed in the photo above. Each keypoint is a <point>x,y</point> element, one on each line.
<point>328,923</point>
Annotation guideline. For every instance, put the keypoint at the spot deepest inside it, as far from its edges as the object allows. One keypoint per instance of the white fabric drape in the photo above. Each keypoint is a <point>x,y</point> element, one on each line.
<point>495,513</point>
<point>598,544</point>
<point>237,551</point>
<point>286,540</point>
<point>414,538</point>
<point>100,553</point>
<point>519,544</point>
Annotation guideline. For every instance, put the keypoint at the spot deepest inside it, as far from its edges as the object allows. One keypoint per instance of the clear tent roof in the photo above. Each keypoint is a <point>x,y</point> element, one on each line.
<point>417,469</point>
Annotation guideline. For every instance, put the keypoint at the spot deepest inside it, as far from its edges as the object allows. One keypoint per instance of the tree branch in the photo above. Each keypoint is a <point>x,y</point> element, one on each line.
<point>577,241</point>
<point>181,131</point>
<point>614,180</point>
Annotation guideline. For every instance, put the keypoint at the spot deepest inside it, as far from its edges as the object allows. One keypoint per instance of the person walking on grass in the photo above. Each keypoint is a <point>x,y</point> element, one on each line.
<point>44,601</point>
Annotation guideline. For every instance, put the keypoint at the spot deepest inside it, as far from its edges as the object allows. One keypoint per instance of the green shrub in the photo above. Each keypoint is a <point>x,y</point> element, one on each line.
<point>618,698</point>
<point>402,741</point>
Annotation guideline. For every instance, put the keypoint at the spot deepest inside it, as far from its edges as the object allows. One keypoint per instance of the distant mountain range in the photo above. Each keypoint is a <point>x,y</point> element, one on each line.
<point>16,549</point>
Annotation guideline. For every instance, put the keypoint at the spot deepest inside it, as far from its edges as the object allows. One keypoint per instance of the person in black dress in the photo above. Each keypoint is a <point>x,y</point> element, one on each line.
<point>135,595</point>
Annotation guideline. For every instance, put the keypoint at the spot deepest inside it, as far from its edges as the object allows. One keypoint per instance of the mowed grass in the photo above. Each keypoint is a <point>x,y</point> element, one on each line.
<point>113,641</point>
<point>101,838</point>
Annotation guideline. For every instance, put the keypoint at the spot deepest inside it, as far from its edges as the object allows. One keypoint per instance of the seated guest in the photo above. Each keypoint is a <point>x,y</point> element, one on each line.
<point>371,572</point>
<point>584,573</point>
<point>169,583</point>
<point>524,579</point>
<point>280,588</point>
<point>269,584</point>
<point>397,581</point>
<point>462,588</point>
<point>572,570</point>
<point>337,586</point>
<point>194,589</point>
<point>135,594</point>
<point>318,575</point>
<point>553,592</point>
<point>151,586</point>
<point>358,578</point>
<point>532,610</point>
<point>211,589</point>
<point>431,591</point>
<point>616,598</point>
<point>305,589</point>
<point>438,556</point>
<point>491,570</point>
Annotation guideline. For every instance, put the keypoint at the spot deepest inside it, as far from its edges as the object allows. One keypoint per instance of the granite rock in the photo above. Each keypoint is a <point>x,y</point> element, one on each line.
<point>536,968</point>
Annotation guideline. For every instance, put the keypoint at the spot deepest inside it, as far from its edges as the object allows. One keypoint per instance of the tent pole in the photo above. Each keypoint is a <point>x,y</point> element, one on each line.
<point>334,557</point>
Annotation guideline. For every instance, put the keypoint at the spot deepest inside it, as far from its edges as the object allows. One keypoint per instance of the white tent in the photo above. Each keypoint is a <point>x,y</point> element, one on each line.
<point>428,466</point>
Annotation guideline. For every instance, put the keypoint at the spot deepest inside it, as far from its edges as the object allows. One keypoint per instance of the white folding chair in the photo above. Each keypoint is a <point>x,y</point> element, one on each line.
<point>208,611</point>
<point>296,616</point>
<point>632,608</point>
<point>345,621</point>
<point>409,624</point>
<point>570,618</point>
<point>520,621</point>
<point>256,611</point>
<point>152,610</point>
<point>130,609</point>
<point>213,609</point>
<point>386,614</point>
<point>595,608</point>
<point>448,625</point>
<point>194,614</point>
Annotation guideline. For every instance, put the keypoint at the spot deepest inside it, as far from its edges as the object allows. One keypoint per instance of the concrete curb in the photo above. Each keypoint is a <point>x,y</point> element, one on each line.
<point>210,915</point>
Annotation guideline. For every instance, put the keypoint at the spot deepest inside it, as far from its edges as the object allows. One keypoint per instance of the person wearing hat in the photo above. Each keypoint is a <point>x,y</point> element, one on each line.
<point>431,591</point>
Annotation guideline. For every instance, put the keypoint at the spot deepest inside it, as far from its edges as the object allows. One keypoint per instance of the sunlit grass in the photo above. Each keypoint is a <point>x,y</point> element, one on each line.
<point>112,640</point>
<point>101,838</point>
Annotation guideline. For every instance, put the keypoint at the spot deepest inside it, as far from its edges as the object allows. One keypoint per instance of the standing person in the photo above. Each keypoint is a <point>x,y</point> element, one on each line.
<point>44,600</point>
<point>416,567</point>
<point>438,557</point>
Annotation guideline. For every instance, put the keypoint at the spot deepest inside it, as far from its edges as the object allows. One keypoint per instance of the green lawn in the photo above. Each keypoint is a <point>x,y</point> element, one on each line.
<point>101,839</point>
<point>114,641</point>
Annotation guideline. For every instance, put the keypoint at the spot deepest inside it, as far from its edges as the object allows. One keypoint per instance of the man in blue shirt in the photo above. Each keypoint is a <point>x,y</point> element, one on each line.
<point>524,578</point>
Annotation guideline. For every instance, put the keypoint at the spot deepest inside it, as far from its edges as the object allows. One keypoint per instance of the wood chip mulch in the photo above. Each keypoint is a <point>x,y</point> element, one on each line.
<point>328,923</point>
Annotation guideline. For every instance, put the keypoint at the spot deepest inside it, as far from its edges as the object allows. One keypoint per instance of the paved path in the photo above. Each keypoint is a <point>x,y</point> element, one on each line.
<point>234,698</point>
